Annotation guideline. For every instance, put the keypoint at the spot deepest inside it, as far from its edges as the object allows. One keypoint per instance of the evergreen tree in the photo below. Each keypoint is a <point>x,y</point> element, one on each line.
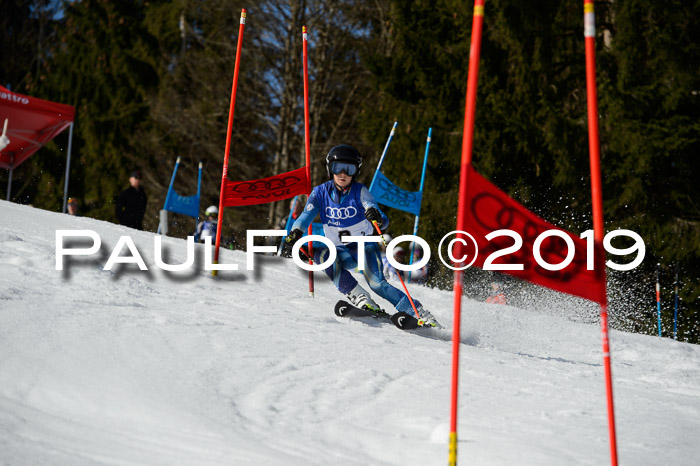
<point>650,122</point>
<point>531,122</point>
<point>27,28</point>
<point>418,69</point>
<point>189,111</point>
<point>152,80</point>
<point>103,64</point>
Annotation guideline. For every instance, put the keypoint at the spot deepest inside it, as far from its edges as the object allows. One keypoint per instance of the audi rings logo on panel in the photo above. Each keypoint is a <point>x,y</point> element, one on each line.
<point>264,185</point>
<point>340,213</point>
<point>394,190</point>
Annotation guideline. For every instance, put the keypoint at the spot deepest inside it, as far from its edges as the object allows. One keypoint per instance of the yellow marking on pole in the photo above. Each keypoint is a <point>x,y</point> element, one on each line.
<point>588,7</point>
<point>478,10</point>
<point>452,460</point>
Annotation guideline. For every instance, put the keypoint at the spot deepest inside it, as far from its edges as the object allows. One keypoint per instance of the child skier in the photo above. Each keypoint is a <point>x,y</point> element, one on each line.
<point>347,208</point>
<point>208,226</point>
<point>497,296</point>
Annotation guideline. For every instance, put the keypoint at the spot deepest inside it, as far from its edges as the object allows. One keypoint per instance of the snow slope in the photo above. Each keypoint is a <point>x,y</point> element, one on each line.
<point>139,367</point>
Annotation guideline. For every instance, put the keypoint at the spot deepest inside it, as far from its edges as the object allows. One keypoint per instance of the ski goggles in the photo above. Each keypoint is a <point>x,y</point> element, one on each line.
<point>338,167</point>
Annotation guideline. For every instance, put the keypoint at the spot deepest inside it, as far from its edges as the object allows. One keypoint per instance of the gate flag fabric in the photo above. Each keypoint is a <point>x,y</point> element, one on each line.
<point>264,190</point>
<point>387,193</point>
<point>489,209</point>
<point>186,205</point>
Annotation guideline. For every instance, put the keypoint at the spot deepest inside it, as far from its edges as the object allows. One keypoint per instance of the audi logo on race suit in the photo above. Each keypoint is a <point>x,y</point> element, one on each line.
<point>340,213</point>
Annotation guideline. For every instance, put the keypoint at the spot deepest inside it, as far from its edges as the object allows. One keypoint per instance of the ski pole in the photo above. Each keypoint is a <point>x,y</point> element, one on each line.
<point>658,297</point>
<point>311,262</point>
<point>379,230</point>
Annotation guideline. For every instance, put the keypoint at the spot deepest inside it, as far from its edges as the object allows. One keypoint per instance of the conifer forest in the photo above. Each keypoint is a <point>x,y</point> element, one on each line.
<point>151,81</point>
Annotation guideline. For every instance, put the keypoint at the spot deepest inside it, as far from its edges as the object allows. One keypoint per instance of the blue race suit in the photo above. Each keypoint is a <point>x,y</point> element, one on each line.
<point>206,228</point>
<point>343,214</point>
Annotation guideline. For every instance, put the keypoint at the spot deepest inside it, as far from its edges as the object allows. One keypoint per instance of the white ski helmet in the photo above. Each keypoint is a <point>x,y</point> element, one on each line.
<point>212,210</point>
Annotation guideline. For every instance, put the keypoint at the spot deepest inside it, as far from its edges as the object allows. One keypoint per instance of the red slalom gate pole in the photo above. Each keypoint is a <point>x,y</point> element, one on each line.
<point>597,200</point>
<point>307,146</point>
<point>467,146</point>
<point>227,151</point>
<point>307,137</point>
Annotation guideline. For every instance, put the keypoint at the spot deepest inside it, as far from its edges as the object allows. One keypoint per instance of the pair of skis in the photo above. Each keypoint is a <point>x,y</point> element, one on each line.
<point>401,320</point>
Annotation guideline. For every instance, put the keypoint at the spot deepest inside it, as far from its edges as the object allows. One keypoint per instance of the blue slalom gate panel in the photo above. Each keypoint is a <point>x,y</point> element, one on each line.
<point>388,194</point>
<point>186,205</point>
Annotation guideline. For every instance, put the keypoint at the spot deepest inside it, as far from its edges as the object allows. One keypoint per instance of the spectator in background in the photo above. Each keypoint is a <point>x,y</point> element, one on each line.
<point>131,203</point>
<point>73,206</point>
<point>389,270</point>
<point>207,227</point>
<point>496,296</point>
<point>298,209</point>
<point>421,275</point>
<point>386,239</point>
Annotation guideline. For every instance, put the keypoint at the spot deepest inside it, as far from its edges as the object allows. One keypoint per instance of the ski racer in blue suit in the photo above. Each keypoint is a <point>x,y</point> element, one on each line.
<point>347,208</point>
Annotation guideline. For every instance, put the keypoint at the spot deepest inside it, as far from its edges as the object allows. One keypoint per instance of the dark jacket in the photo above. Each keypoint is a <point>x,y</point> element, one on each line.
<point>131,207</point>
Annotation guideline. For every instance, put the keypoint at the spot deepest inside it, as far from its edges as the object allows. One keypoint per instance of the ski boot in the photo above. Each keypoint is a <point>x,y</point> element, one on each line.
<point>361,299</point>
<point>426,318</point>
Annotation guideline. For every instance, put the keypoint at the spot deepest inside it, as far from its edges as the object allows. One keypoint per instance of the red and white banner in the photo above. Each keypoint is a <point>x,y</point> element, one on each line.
<point>489,209</point>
